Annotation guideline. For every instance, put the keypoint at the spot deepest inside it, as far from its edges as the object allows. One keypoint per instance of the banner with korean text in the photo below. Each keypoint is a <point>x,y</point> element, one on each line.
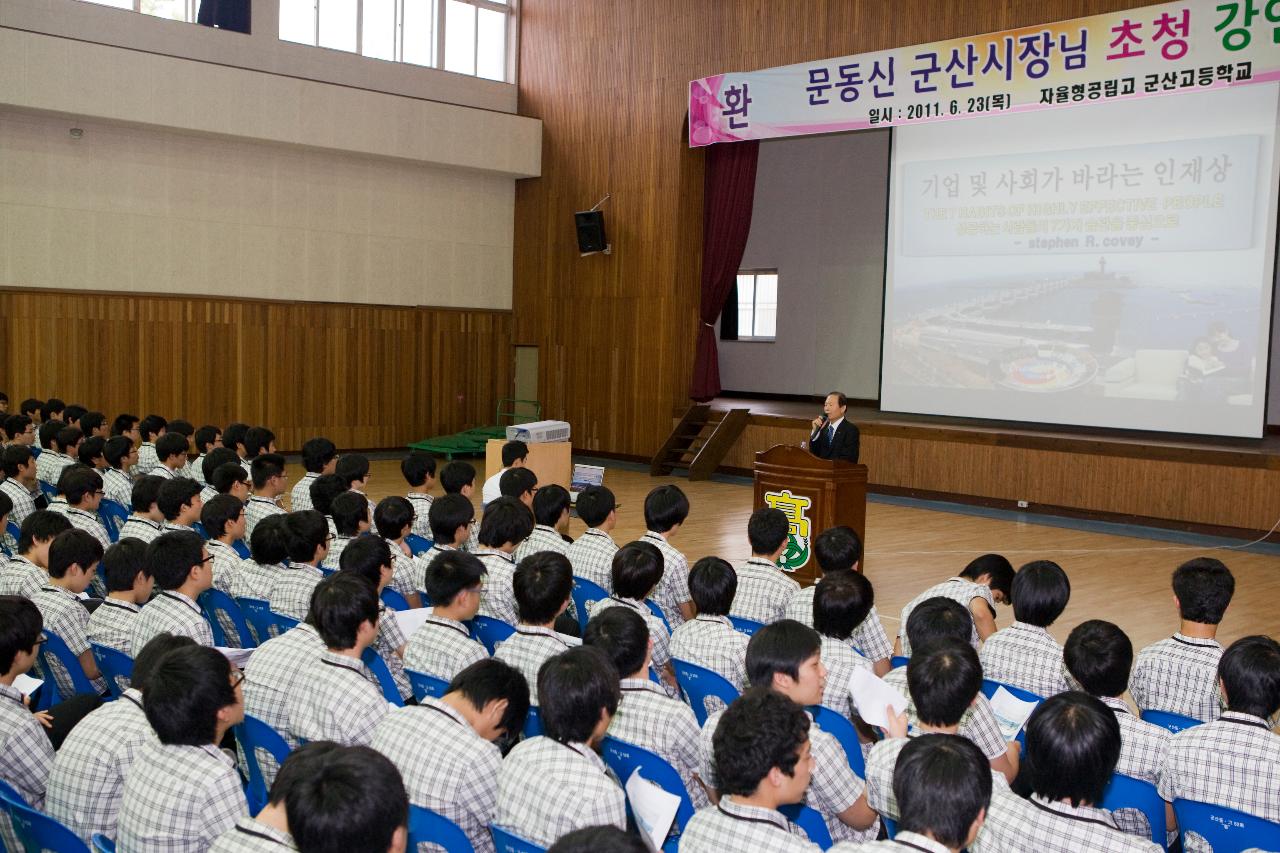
<point>1143,52</point>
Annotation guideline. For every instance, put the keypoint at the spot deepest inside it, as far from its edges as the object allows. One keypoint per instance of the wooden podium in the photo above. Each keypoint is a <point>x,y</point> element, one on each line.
<point>815,494</point>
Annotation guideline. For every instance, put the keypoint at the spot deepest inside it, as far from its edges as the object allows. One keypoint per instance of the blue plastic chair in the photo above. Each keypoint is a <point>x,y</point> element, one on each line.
<point>1227,830</point>
<point>38,831</point>
<point>382,672</point>
<point>394,600</point>
<point>585,592</point>
<point>241,549</point>
<point>897,661</point>
<point>625,758</point>
<point>890,826</point>
<point>283,623</point>
<point>426,685</point>
<point>505,841</point>
<point>989,688</point>
<point>49,491</point>
<point>1125,792</point>
<point>810,820</point>
<point>657,611</point>
<point>113,517</point>
<point>102,844</point>
<point>745,626</point>
<point>199,528</point>
<point>1173,722</point>
<point>428,826</point>
<point>698,683</point>
<point>836,725</point>
<point>116,667</point>
<point>417,544</point>
<point>253,734</point>
<point>532,723</point>
<point>490,631</point>
<point>214,600</point>
<point>54,647</point>
<point>258,614</point>
<point>14,530</point>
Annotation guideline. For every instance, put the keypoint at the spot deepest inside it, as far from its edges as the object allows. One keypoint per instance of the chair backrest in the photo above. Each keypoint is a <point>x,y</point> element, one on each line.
<point>241,549</point>
<point>490,631</point>
<point>584,593</point>
<point>745,626</point>
<point>199,528</point>
<point>13,530</point>
<point>417,544</point>
<point>1173,722</point>
<point>55,647</point>
<point>505,841</point>
<point>253,734</point>
<point>426,685</point>
<point>657,611</point>
<point>38,831</point>
<point>102,844</point>
<point>116,667</point>
<point>897,661</point>
<point>428,826</point>
<point>698,683</point>
<point>1226,830</point>
<point>625,758</point>
<point>810,820</point>
<point>989,689</point>
<point>839,727</point>
<point>382,672</point>
<point>1125,792</point>
<point>393,599</point>
<point>890,826</point>
<point>258,613</point>
<point>533,723</point>
<point>283,623</point>
<point>214,600</point>
<point>49,491</point>
<point>113,517</point>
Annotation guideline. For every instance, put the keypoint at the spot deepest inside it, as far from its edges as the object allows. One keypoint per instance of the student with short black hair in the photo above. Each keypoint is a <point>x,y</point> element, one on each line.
<point>26,572</point>
<point>268,552</point>
<point>451,518</point>
<point>506,524</point>
<point>709,639</point>
<point>82,488</point>
<point>515,454</point>
<point>353,470</point>
<point>419,471</point>
<point>150,428</point>
<point>354,800</point>
<point>233,440</point>
<point>94,425</point>
<point>319,457</point>
<point>92,453</point>
<point>764,590</point>
<point>519,483</point>
<point>182,569</point>
<point>551,518</point>
<point>31,408</point>
<point>542,584</point>
<point>206,439</point>
<point>209,462</point>
<point>307,536</point>
<point>637,573</point>
<point>223,521</point>
<point>324,490</point>
<point>268,485</point>
<point>178,500</point>
<point>28,754</point>
<point>442,646</point>
<point>986,581</point>
<point>370,560</point>
<point>229,478</point>
<point>73,558</point>
<point>127,425</point>
<point>54,459</point>
<point>393,519</point>
<point>350,514</point>
<point>117,483</point>
<point>52,409</point>
<point>183,792</point>
<point>1025,654</point>
<point>459,478</point>
<point>258,441</point>
<point>20,482</point>
<point>19,430</point>
<point>665,510</point>
<point>268,830</point>
<point>840,605</point>
<point>129,582</point>
<point>591,554</point>
<point>598,839</point>
<point>146,522</point>
<point>557,783</point>
<point>171,456</point>
<point>74,412</point>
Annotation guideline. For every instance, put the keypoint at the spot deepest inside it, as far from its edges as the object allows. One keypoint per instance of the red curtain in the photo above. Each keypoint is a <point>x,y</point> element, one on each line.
<point>729,189</point>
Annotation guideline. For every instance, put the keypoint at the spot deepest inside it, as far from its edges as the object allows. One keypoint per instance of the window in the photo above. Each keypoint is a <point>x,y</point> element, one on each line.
<point>757,305</point>
<point>465,36</point>
<point>175,10</point>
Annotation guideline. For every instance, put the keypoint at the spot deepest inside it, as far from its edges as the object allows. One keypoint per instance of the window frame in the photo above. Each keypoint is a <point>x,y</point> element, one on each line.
<point>755,290</point>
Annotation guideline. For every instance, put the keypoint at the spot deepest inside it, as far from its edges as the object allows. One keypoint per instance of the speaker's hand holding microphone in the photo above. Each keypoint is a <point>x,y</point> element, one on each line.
<point>818,424</point>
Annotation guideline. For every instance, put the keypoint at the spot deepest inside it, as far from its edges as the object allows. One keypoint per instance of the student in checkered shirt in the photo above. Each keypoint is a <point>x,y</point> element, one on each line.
<point>149,429</point>
<point>220,457</point>
<point>127,576</point>
<point>223,520</point>
<point>841,604</point>
<point>28,754</point>
<point>1180,674</point>
<point>541,585</point>
<point>308,541</point>
<point>370,560</point>
<point>25,573</point>
<point>393,519</point>
<point>520,483</point>
<point>665,511</point>
<point>1233,761</point>
<point>506,524</point>
<point>353,471</point>
<point>233,439</point>
<point>8,544</point>
<point>1025,654</point>
<point>179,502</point>
<point>87,781</point>
<point>268,831</point>
<point>82,487</point>
<point>763,760</point>
<point>171,453</point>
<point>206,439</point>
<point>183,569</point>
<point>647,717</point>
<point>419,471</point>
<point>709,639</point>
<point>763,589</point>
<point>116,482</point>
<point>55,458</point>
<point>551,519</point>
<point>591,554</point>
<point>598,839</point>
<point>350,514</point>
<point>446,749</point>
<point>18,430</point>
<point>268,485</point>
<point>324,491</point>
<point>319,457</point>
<point>183,792</point>
<point>73,558</point>
<point>637,571</point>
<point>146,521</point>
<point>556,783</point>
<point>984,583</point>
<point>451,519</point>
<point>20,479</point>
<point>459,478</point>
<point>268,552</point>
<point>374,811</point>
<point>442,646</point>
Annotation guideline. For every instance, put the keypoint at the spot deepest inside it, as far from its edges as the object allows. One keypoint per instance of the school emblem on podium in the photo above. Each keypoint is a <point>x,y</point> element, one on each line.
<point>795,507</point>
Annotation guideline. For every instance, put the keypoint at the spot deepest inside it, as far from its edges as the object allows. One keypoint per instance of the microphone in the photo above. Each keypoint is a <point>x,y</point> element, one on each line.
<point>819,429</point>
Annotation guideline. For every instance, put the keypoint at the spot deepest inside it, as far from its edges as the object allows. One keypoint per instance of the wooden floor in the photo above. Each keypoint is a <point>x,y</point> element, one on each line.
<point>1122,579</point>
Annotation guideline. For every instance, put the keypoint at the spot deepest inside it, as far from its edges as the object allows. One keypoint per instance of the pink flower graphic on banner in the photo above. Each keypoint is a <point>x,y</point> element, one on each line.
<point>706,113</point>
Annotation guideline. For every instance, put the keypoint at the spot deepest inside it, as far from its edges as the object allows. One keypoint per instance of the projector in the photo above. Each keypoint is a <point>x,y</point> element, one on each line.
<point>539,431</point>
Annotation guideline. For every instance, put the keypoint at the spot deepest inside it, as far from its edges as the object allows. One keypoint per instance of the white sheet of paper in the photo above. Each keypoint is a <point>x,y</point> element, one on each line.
<point>411,620</point>
<point>26,685</point>
<point>238,657</point>
<point>654,809</point>
<point>871,694</point>
<point>1011,712</point>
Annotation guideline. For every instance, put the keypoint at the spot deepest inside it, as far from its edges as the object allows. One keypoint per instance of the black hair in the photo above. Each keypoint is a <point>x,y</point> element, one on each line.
<point>340,604</point>
<point>761,730</point>
<point>172,444</point>
<point>1041,591</point>
<point>354,799</point>
<point>150,425</point>
<point>635,572</point>
<point>943,679</point>
<point>30,406</point>
<point>549,503</point>
<point>182,427</point>
<point>447,514</point>
<point>841,603</point>
<point>153,652</point>
<point>300,764</point>
<point>226,475</point>
<point>187,688</point>
<point>352,467</point>
<point>449,573</point>
<point>116,449</point>
<point>269,541</point>
<point>455,475</point>
<point>174,494</point>
<point>16,425</point>
<point>90,421</point>
<point>491,680</point>
<point>257,441</point>
<point>365,557</point>
<point>325,488</point>
<point>837,549</point>
<point>712,585</point>
<point>48,432</point>
<point>348,510</point>
<point>1250,673</point>
<point>317,453</point>
<point>997,567</point>
<point>514,482</point>
<point>780,647</point>
<point>665,507</point>
<point>598,839</point>
<point>1073,744</point>
<point>145,492</point>
<point>1204,587</point>
<point>90,449</point>
<point>173,555</point>
<point>73,547</point>
<point>622,634</point>
<point>505,520</point>
<point>6,505</point>
<point>514,451</point>
<point>594,505</point>
<point>204,438</point>
<point>122,562</point>
<point>767,530</point>
<point>216,457</point>
<point>51,408</point>
<point>541,584</point>
<point>42,525</point>
<point>20,627</point>
<point>417,467</point>
<point>68,437</point>
<point>942,783</point>
<point>218,512</point>
<point>123,423</point>
<point>77,482</point>
<point>264,467</point>
<point>938,620</point>
<point>1099,657</point>
<point>234,435</point>
<point>74,412</point>
<point>306,530</point>
<point>392,515</point>
<point>572,688</point>
<point>14,457</point>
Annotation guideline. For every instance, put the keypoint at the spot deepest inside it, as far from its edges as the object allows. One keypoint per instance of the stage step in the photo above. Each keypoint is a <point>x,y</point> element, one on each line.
<point>698,443</point>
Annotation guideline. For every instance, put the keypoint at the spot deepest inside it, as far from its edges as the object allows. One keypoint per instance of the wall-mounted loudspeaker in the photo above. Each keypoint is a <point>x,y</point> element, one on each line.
<point>590,227</point>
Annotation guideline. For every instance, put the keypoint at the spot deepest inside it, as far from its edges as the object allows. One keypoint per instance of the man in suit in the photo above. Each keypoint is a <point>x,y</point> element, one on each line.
<point>837,438</point>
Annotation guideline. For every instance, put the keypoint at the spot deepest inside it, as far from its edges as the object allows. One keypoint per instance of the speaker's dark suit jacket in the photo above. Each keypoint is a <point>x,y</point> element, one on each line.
<point>843,446</point>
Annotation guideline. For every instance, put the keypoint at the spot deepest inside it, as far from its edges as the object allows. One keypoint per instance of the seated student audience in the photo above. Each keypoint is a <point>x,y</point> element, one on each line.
<point>350,514</point>
<point>541,584</point>
<point>1073,744</point>
<point>217,458</point>
<point>840,605</point>
<point>709,639</point>
<point>182,570</point>
<point>419,471</point>
<point>31,407</point>
<point>591,554</point>
<point>127,425</point>
<point>551,519</point>
<point>206,439</point>
<point>149,429</point>
<point>19,430</point>
<point>127,576</point>
<point>82,487</point>
<point>459,478</point>
<point>8,543</point>
<point>52,409</point>
<point>451,518</point>
<point>1180,674</point>
<point>223,520</point>
<point>1025,654</point>
<point>73,413</point>
<point>146,521</point>
<point>324,490</point>
<point>268,485</point>
<point>519,483</point>
<point>307,536</point>
<point>1233,761</point>
<point>353,470</point>
<point>340,701</point>
<point>268,830</point>
<point>557,783</point>
<point>179,502</point>
<point>637,572</point>
<point>665,510</point>
<point>92,453</point>
<point>94,425</point>
<point>183,792</point>
<point>171,451</point>
<point>258,441</point>
<point>785,656</point>
<point>319,457</point>
<point>28,753</point>
<point>598,839</point>
<point>57,455</point>
<point>87,781</point>
<point>446,750</point>
<point>442,646</point>
<point>506,524</point>
<point>764,590</point>
<point>984,582</point>
<point>73,558</point>
<point>117,483</point>
<point>20,481</point>
<point>26,572</point>
<point>762,760</point>
<point>647,717</point>
<point>355,800</point>
<point>393,519</point>
<point>268,554</point>
<point>370,560</point>
<point>233,440</point>
<point>515,454</point>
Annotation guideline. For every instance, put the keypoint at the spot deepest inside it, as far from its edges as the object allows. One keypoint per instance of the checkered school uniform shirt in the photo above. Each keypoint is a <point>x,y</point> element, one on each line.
<point>280,668</point>
<point>978,723</point>
<point>426,559</point>
<point>22,577</point>
<point>49,466</point>
<point>543,538</point>
<point>340,703</point>
<point>446,766</point>
<point>472,545</point>
<point>658,631</point>
<point>333,559</point>
<point>407,572</point>
<point>547,789</point>
<point>164,472</point>
<point>591,556</point>
<point>59,505</point>
<point>196,467</point>
<point>497,599</point>
<point>673,589</point>
<point>89,523</point>
<point>1053,827</point>
<point>1142,753</point>
<point>712,643</point>
<point>734,826</point>
<point>247,465</point>
<point>112,624</point>
<point>841,662</point>
<point>28,755</point>
<point>226,564</point>
<point>249,836</point>
<point>137,527</point>
<point>87,782</point>
<point>170,612</point>
<point>256,509</point>
<point>648,718</point>
<point>421,503</point>
<point>529,648</point>
<point>147,459</point>
<point>300,496</point>
<point>118,486</point>
<point>65,616</point>
<point>907,842</point>
<point>443,648</point>
<point>178,799</point>
<point>208,493</point>
<point>961,590</point>
<point>291,593</point>
<point>254,580</point>
<point>869,637</point>
<point>1025,656</point>
<point>1178,675</point>
<point>763,591</point>
<point>24,502</point>
<point>390,638</point>
<point>174,527</point>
